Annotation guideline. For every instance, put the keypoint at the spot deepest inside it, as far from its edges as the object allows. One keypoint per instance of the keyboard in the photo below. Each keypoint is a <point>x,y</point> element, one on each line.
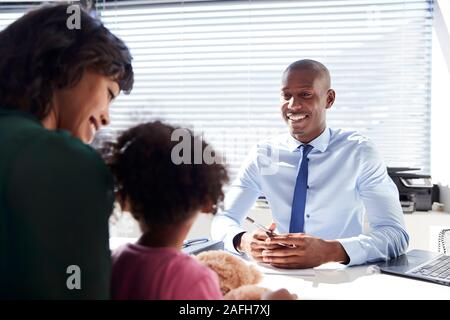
<point>438,269</point>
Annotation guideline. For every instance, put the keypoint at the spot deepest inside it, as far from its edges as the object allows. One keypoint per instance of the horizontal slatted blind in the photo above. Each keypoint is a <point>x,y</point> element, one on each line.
<point>9,12</point>
<point>216,66</point>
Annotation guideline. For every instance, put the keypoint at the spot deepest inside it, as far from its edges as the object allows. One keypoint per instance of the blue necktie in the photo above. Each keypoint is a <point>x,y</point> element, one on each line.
<point>299,201</point>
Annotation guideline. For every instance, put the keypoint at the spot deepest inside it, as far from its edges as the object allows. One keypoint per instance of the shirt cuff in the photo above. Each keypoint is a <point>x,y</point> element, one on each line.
<point>228,240</point>
<point>355,252</point>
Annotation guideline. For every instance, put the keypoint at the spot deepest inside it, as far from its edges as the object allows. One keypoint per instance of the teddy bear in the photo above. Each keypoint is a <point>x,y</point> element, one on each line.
<point>237,279</point>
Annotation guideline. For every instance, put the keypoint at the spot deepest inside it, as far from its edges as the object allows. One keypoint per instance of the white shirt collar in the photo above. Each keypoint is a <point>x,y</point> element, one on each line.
<point>320,143</point>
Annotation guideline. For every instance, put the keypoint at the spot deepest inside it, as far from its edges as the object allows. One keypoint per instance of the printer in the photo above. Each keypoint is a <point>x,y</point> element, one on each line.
<point>417,192</point>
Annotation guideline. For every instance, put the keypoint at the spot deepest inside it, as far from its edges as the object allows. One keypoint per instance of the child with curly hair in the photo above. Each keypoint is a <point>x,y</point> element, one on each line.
<point>165,198</point>
<point>165,188</point>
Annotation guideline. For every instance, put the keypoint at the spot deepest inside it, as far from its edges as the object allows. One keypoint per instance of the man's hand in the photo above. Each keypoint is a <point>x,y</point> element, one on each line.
<point>253,243</point>
<point>306,251</point>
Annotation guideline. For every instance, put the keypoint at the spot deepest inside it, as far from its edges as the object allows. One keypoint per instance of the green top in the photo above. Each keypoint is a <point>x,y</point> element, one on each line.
<point>56,195</point>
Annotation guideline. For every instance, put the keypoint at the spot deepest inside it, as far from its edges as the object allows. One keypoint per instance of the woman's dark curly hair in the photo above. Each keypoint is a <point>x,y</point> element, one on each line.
<point>159,191</point>
<point>39,53</point>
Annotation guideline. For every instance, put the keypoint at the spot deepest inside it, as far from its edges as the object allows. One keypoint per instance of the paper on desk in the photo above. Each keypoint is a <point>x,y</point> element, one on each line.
<point>268,269</point>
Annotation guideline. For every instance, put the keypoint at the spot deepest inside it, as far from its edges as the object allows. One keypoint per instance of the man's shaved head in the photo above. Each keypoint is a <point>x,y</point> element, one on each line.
<point>316,67</point>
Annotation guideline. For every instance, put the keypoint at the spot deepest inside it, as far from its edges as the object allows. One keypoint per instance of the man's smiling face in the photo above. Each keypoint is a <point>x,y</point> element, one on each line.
<point>305,96</point>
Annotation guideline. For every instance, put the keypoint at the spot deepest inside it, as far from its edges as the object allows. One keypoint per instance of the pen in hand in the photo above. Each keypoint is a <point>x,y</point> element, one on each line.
<point>269,232</point>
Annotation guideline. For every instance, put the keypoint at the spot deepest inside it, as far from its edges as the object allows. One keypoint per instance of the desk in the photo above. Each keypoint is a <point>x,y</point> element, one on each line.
<point>357,282</point>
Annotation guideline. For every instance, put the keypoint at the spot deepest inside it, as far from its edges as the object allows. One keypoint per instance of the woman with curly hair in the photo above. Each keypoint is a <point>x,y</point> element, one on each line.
<point>56,193</point>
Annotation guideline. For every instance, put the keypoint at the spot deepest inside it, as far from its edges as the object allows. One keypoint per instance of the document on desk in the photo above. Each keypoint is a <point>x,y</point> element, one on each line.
<point>268,269</point>
<point>311,272</point>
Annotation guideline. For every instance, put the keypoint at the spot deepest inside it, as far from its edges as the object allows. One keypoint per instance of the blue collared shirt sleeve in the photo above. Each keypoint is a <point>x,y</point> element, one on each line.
<point>387,237</point>
<point>239,200</point>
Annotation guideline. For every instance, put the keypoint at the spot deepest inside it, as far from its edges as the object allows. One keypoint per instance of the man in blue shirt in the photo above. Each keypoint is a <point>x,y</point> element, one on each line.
<point>319,182</point>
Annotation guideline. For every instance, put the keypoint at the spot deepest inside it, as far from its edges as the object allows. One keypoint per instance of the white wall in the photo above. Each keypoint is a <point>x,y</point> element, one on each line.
<point>440,102</point>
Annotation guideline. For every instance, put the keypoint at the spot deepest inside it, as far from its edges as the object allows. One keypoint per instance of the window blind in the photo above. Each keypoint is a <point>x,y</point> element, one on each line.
<point>215,66</point>
<point>9,12</point>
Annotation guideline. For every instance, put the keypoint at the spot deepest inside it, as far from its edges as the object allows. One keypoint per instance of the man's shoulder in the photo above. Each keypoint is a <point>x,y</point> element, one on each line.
<point>355,145</point>
<point>349,138</point>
